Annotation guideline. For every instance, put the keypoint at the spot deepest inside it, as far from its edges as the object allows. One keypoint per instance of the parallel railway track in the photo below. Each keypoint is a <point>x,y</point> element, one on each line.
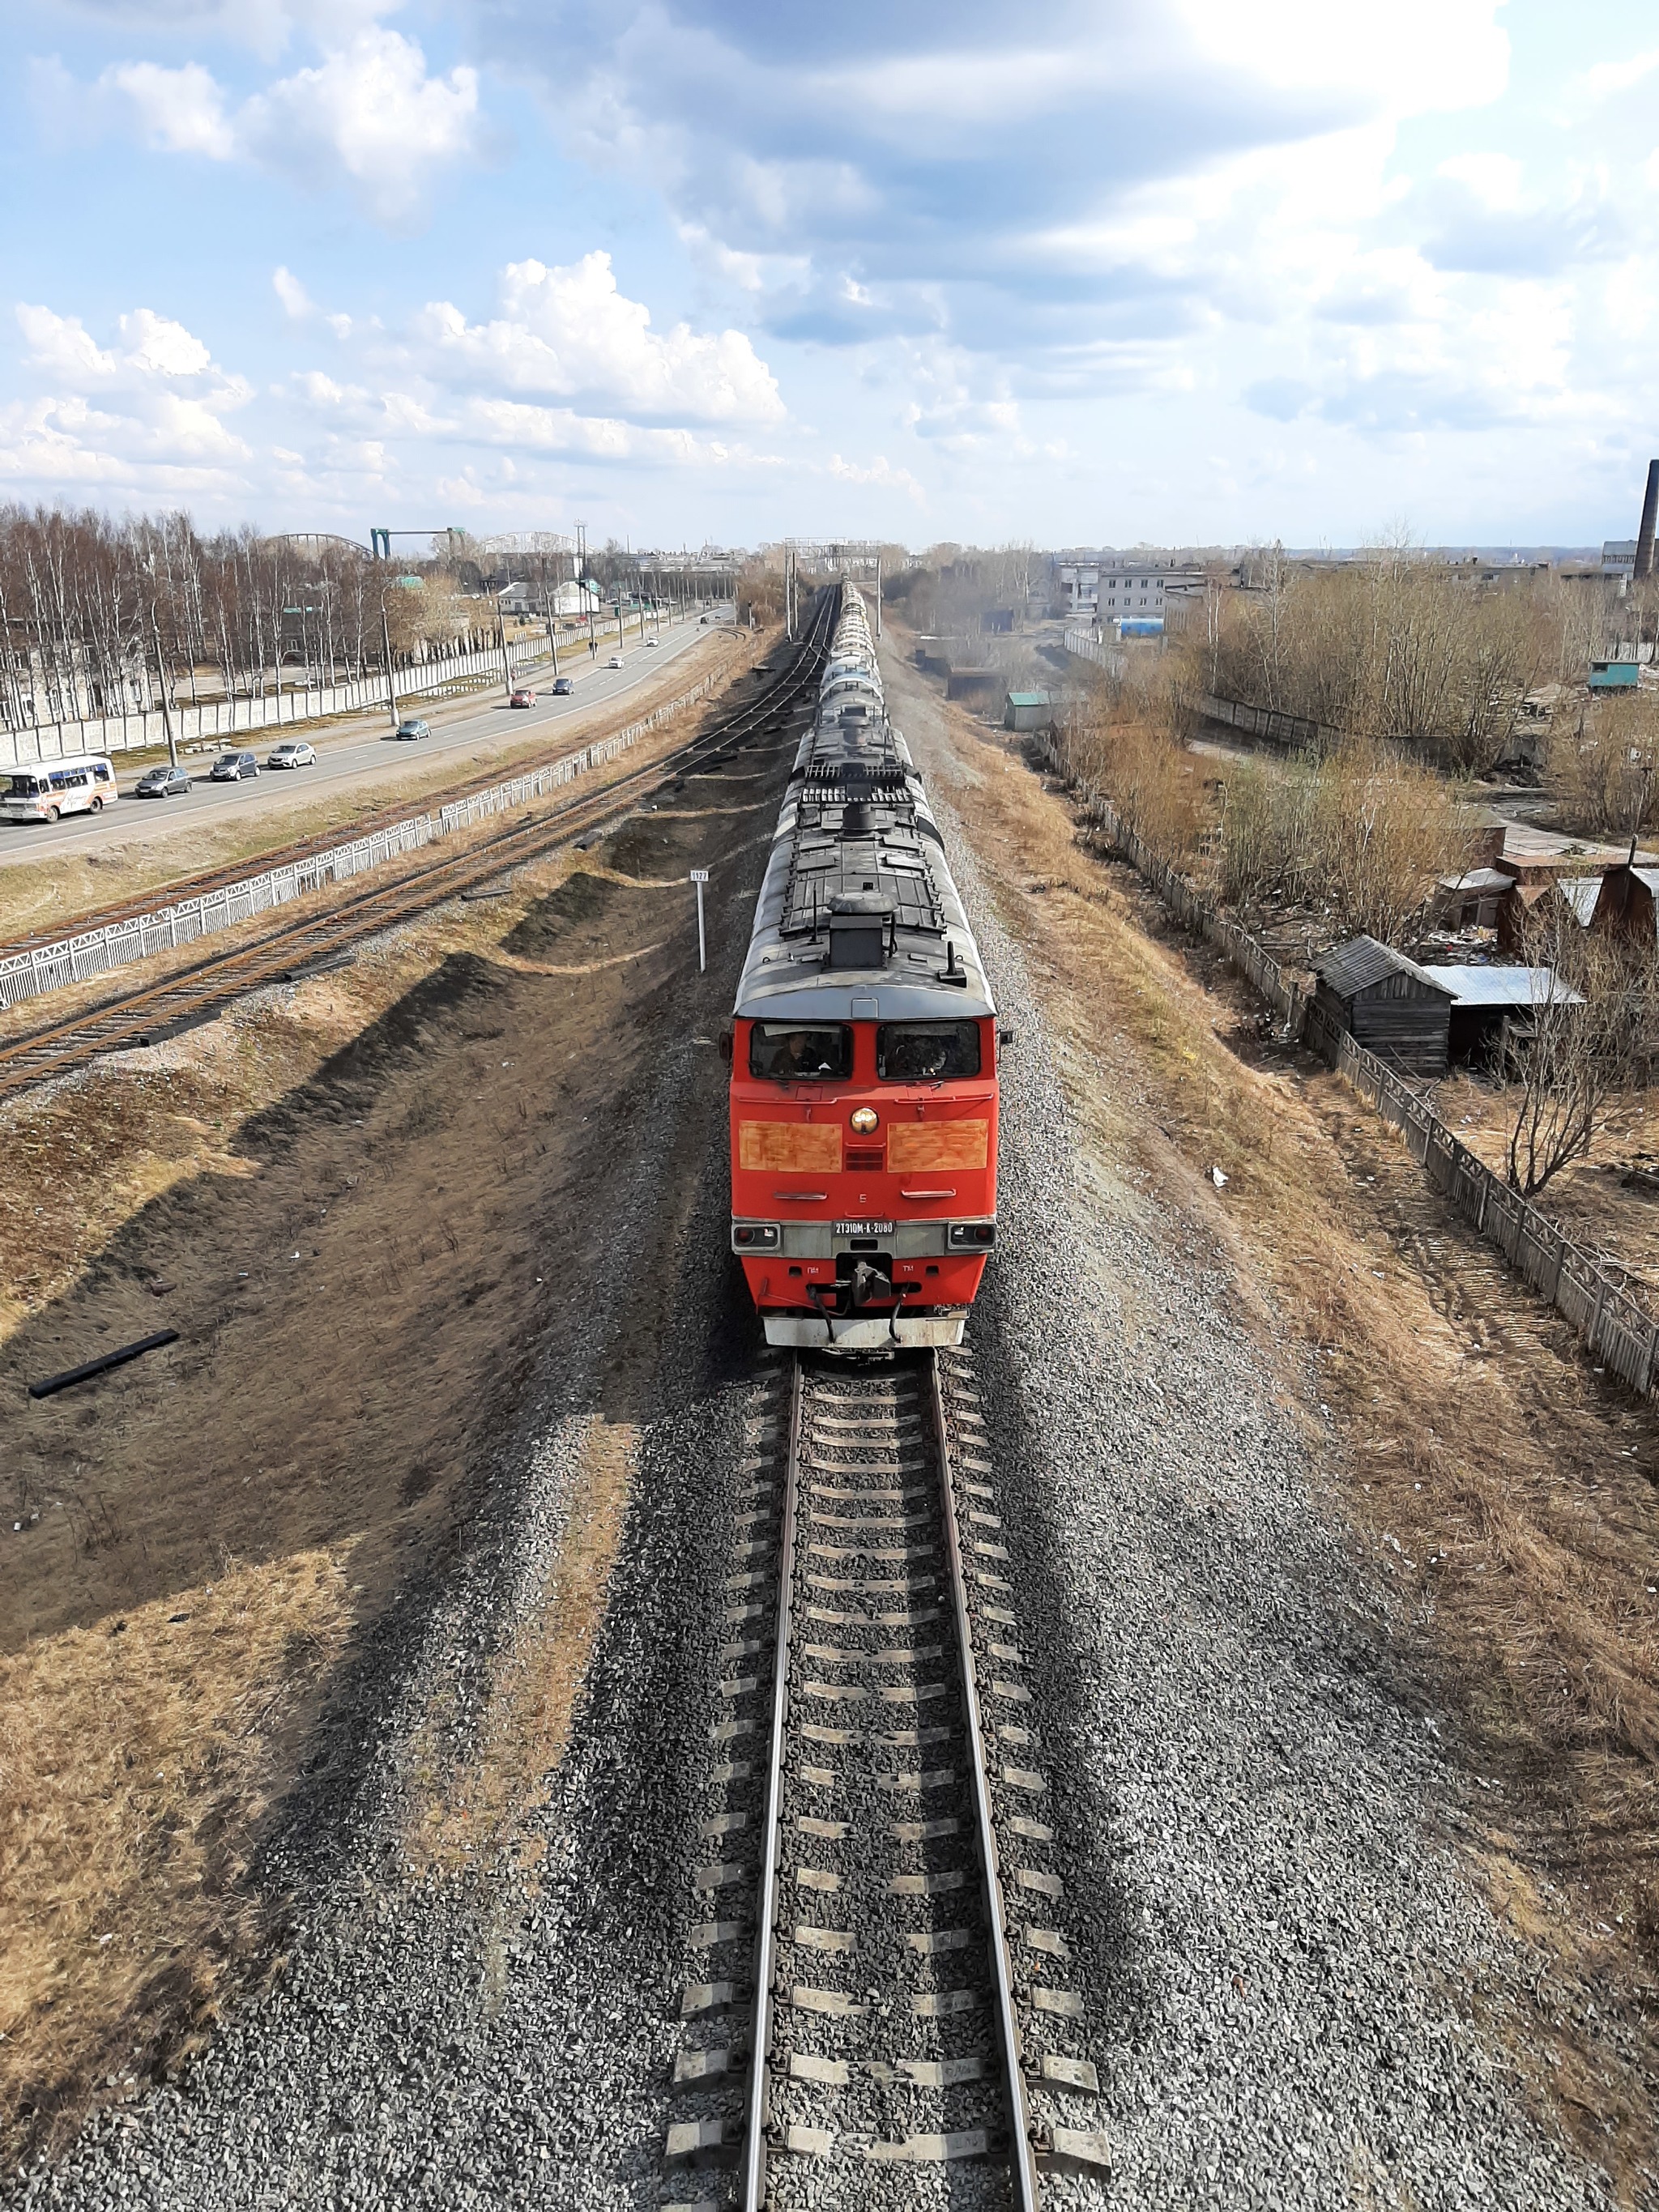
<point>306,943</point>
<point>879,1794</point>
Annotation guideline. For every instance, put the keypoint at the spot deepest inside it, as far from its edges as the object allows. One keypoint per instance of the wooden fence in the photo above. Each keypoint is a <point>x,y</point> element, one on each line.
<point>1615,1330</point>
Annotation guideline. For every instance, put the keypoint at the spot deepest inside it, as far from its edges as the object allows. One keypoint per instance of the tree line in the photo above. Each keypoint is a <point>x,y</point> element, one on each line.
<point>99,615</point>
<point>1410,651</point>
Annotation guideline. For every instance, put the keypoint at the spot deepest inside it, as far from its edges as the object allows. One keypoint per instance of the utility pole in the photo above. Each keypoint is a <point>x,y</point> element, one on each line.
<point>391,681</point>
<point>161,685</point>
<point>552,631</point>
<point>877,598</point>
<point>500,636</point>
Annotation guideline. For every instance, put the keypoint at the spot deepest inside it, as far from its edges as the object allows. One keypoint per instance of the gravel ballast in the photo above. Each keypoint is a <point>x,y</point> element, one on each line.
<point>1282,1950</point>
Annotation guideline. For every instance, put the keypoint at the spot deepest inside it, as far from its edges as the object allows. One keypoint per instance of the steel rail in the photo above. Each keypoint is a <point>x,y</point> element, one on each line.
<point>1022,2154</point>
<point>766,1904</point>
<point>206,985</point>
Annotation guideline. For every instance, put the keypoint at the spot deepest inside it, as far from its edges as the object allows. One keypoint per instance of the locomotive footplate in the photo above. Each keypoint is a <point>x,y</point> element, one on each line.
<point>868,1332</point>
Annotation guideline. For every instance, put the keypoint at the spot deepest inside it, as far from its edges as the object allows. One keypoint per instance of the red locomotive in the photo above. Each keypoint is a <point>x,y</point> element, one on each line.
<point>864,1087</point>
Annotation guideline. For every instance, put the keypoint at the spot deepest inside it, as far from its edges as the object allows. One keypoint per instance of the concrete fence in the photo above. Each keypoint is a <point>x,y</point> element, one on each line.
<point>24,743</point>
<point>34,970</point>
<point>1268,723</point>
<point>1615,1330</point>
<point>1087,647</point>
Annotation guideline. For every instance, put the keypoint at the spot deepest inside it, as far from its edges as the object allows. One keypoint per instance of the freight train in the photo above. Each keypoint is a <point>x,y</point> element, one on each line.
<point>864,1046</point>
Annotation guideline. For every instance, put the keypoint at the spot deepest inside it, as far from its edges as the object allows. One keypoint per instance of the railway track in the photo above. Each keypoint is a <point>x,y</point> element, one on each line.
<point>307,944</point>
<point>887,1988</point>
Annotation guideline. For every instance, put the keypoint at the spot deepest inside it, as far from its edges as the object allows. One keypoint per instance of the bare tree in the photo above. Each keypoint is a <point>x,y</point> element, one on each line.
<point>1572,1049</point>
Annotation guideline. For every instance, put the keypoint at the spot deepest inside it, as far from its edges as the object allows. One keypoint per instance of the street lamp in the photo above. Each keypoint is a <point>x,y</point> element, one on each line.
<point>552,629</point>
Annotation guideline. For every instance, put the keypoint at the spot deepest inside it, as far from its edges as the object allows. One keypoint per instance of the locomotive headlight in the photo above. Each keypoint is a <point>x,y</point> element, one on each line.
<point>754,1236</point>
<point>973,1235</point>
<point>864,1120</point>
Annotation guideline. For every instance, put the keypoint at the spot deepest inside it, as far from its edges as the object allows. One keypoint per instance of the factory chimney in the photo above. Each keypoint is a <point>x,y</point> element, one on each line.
<point>1644,536</point>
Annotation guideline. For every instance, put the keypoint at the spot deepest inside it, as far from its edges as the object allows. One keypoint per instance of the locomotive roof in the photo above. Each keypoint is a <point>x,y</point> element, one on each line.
<point>856,844</point>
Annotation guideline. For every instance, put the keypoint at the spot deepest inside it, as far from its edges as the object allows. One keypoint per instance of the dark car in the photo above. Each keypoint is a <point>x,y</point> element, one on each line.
<point>161,783</point>
<point>522,697</point>
<point>231,768</point>
<point>410,731</point>
<point>562,687</point>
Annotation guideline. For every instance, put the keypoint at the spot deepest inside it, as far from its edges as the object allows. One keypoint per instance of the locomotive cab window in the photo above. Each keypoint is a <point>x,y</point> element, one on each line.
<point>791,1052</point>
<point>927,1052</point>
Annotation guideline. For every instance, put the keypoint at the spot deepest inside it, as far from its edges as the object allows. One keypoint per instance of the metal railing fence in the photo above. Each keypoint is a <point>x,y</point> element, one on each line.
<point>1615,1329</point>
<point>34,970</point>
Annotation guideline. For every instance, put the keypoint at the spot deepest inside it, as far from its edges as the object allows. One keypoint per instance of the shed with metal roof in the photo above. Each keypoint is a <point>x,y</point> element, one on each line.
<point>1486,1000</point>
<point>1388,1003</point>
<point>1028,710</point>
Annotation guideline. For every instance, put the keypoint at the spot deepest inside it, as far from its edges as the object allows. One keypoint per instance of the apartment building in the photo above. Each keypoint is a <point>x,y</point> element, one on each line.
<point>1125,587</point>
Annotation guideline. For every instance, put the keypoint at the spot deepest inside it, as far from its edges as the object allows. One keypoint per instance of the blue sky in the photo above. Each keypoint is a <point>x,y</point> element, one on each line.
<point>1209,270</point>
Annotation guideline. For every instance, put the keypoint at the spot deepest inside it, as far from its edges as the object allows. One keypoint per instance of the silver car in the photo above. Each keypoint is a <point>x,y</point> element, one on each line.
<point>296,755</point>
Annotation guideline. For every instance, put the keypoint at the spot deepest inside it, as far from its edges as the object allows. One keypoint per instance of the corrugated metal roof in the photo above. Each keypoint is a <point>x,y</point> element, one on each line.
<point>1478,879</point>
<point>1028,699</point>
<point>1362,962</point>
<point>1581,893</point>
<point>1504,987</point>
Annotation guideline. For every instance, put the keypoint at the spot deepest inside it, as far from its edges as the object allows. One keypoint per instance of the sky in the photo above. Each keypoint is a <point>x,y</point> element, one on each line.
<point>1202,271</point>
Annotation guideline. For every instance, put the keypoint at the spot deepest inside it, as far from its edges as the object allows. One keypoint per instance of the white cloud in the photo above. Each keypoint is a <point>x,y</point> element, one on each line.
<point>265,26</point>
<point>1494,179</point>
<point>367,117</point>
<point>178,111</point>
<point>1607,79</point>
<point>158,427</point>
<point>569,333</point>
<point>297,302</point>
<point>879,471</point>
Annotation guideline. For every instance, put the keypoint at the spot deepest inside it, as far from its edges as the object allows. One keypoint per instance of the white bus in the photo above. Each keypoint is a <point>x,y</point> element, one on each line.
<point>79,783</point>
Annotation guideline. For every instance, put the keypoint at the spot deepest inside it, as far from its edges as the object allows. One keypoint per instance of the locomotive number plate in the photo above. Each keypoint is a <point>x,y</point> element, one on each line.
<point>863,1228</point>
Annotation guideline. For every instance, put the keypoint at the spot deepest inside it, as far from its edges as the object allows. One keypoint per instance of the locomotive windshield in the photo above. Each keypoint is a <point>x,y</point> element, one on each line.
<point>927,1052</point>
<point>787,1051</point>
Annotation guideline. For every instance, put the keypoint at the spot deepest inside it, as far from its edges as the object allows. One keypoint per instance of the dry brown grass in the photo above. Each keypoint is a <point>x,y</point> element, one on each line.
<point>357,1200</point>
<point>474,1812</point>
<point>1505,1494</point>
<point>138,1755</point>
<point>1125,745</point>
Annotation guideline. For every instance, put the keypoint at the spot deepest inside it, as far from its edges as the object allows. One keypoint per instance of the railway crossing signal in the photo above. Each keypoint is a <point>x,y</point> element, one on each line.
<point>700,876</point>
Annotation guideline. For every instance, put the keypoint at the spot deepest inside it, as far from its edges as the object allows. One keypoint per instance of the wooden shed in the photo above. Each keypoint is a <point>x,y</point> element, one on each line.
<point>1628,905</point>
<point>1389,1005</point>
<point>1487,1001</point>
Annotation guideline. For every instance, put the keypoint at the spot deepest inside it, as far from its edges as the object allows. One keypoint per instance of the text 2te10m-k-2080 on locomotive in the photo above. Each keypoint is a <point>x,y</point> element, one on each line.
<point>864,1042</point>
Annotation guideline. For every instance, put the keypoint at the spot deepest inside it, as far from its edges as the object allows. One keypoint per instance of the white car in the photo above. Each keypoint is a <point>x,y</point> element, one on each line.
<point>652,644</point>
<point>292,755</point>
<point>615,661</point>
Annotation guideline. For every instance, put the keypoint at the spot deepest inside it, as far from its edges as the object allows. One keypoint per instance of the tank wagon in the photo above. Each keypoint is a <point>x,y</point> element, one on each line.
<point>864,1046</point>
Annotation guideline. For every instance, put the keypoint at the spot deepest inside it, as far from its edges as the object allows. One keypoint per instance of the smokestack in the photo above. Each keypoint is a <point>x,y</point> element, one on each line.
<point>1650,513</point>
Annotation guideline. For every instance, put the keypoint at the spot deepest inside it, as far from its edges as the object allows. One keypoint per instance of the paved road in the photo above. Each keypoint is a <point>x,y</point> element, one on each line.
<point>353,751</point>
